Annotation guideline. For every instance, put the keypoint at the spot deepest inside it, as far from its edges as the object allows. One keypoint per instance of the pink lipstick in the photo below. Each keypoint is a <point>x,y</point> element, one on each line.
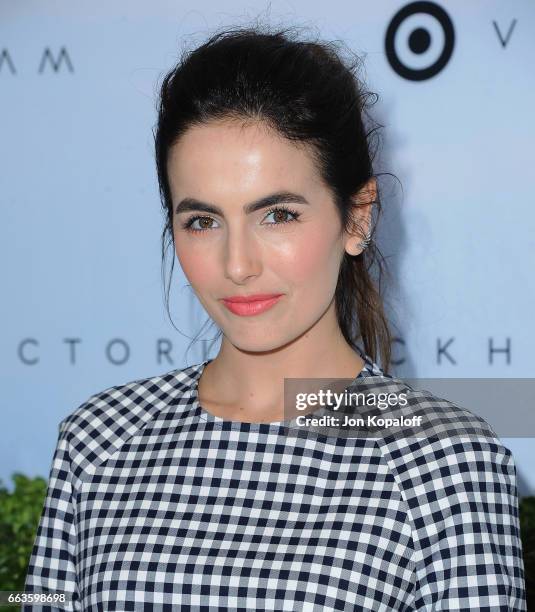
<point>249,305</point>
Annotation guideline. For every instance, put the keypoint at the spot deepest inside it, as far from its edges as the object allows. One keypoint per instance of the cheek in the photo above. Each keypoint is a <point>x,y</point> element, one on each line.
<point>312,261</point>
<point>196,264</point>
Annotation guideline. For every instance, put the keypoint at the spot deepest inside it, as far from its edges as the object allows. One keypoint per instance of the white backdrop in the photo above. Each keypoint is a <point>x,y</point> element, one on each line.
<point>82,305</point>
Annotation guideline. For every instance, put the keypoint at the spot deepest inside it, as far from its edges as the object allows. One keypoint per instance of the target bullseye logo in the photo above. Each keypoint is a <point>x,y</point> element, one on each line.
<point>419,40</point>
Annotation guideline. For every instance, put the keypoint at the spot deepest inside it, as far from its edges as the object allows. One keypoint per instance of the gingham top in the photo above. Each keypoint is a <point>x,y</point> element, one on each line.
<point>154,503</point>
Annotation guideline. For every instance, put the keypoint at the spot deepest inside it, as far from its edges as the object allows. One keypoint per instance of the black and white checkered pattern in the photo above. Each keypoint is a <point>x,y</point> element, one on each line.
<point>155,504</point>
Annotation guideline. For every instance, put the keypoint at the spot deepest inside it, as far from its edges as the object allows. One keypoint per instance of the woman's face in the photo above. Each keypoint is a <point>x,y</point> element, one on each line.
<point>295,252</point>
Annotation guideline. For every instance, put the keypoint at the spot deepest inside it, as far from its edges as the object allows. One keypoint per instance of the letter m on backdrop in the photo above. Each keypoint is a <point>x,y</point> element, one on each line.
<point>48,58</point>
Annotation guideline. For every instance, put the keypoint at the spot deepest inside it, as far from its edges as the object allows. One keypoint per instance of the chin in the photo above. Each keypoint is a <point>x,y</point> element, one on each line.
<point>255,342</point>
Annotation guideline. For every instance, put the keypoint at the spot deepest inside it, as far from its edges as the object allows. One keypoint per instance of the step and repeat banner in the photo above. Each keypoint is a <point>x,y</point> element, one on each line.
<point>83,299</point>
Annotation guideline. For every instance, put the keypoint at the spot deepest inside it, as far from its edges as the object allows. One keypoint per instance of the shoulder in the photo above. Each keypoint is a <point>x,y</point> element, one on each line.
<point>99,426</point>
<point>445,430</point>
<point>453,464</point>
<point>395,398</point>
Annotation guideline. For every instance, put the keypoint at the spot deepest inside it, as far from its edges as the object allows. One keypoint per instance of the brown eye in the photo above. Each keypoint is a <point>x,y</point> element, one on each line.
<point>203,221</point>
<point>281,213</point>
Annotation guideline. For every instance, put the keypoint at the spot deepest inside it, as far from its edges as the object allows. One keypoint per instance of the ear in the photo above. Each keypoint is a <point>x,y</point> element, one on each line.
<point>361,214</point>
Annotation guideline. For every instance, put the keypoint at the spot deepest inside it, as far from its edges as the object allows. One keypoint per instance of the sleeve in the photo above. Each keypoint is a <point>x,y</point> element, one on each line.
<point>52,564</point>
<point>469,551</point>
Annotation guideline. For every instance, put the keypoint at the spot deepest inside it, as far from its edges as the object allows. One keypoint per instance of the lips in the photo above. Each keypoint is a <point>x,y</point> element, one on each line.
<point>257,297</point>
<point>251,305</point>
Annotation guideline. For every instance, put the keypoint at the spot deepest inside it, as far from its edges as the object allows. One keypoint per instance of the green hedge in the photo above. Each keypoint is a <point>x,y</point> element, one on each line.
<point>21,509</point>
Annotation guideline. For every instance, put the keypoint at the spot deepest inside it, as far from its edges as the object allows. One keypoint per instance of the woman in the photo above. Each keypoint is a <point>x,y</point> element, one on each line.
<point>184,490</point>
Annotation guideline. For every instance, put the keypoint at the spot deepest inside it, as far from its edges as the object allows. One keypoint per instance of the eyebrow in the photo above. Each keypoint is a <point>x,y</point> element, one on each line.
<point>189,204</point>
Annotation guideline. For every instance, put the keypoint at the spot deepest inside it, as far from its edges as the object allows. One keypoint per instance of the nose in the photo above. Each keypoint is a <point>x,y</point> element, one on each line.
<point>242,256</point>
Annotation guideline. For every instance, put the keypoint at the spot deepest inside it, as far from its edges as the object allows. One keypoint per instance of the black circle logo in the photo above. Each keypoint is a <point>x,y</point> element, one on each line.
<point>419,40</point>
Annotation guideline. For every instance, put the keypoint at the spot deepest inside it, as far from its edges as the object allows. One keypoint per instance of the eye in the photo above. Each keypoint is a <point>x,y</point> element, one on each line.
<point>188,225</point>
<point>279,211</point>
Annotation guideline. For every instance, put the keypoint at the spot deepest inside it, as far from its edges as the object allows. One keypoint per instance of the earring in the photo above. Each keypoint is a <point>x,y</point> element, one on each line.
<point>366,242</point>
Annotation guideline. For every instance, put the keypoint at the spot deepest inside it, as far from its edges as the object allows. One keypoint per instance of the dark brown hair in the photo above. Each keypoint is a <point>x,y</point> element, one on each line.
<point>306,92</point>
